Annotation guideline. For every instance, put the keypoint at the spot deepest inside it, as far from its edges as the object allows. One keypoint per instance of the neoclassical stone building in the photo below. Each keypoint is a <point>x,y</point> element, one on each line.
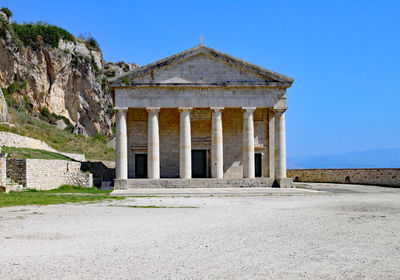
<point>201,114</point>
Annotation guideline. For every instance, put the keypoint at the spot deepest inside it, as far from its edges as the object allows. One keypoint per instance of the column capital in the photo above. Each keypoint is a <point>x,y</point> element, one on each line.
<point>153,109</point>
<point>217,109</point>
<point>279,111</point>
<point>249,109</point>
<point>185,109</point>
<point>121,109</point>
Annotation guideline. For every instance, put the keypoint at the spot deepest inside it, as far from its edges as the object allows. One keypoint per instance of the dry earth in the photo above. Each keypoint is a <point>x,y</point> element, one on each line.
<point>344,232</point>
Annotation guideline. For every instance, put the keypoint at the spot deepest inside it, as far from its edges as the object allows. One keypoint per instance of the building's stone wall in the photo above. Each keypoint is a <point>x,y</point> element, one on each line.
<point>200,69</point>
<point>18,141</point>
<point>3,170</point>
<point>368,176</point>
<point>45,174</point>
<point>211,96</point>
<point>77,157</point>
<point>14,140</point>
<point>16,170</point>
<point>232,123</point>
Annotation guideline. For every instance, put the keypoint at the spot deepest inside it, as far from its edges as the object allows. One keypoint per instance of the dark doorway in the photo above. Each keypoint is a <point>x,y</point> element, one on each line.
<point>257,165</point>
<point>141,166</point>
<point>199,163</point>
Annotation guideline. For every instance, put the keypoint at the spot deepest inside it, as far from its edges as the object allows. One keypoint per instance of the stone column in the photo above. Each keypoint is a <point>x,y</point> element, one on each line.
<point>121,162</point>
<point>248,143</point>
<point>153,145</point>
<point>280,145</point>
<point>185,146</point>
<point>217,153</point>
<point>270,163</point>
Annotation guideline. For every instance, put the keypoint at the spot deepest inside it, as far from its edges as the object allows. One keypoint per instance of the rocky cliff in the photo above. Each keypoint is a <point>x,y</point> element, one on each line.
<point>46,67</point>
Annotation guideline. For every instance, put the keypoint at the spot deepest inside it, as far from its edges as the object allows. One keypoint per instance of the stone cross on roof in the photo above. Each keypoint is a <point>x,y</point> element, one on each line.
<point>201,40</point>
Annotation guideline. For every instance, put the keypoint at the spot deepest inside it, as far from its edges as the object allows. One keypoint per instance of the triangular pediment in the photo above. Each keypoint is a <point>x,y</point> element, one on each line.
<point>202,65</point>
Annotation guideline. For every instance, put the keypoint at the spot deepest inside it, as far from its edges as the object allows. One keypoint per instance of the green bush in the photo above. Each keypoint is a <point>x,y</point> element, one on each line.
<point>51,34</point>
<point>17,86</point>
<point>45,112</point>
<point>6,11</point>
<point>92,44</point>
<point>110,73</point>
<point>127,80</point>
<point>4,27</point>
<point>94,66</point>
<point>27,103</point>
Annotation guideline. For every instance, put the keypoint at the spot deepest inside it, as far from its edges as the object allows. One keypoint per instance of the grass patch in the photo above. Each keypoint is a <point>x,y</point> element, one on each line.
<point>73,189</point>
<point>65,194</point>
<point>61,140</point>
<point>31,153</point>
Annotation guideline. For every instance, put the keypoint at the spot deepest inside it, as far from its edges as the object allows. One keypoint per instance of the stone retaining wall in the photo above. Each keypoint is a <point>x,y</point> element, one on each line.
<point>18,141</point>
<point>367,176</point>
<point>43,174</point>
<point>3,173</point>
<point>16,170</point>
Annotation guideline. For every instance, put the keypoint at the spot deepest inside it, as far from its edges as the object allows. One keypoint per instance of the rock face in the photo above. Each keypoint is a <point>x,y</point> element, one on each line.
<point>68,80</point>
<point>3,108</point>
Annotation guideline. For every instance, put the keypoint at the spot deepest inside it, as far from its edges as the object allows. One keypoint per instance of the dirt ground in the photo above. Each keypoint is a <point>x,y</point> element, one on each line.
<point>333,232</point>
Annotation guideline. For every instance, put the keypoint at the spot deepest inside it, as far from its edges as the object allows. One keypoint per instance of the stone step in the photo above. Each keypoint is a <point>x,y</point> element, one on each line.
<point>12,185</point>
<point>203,183</point>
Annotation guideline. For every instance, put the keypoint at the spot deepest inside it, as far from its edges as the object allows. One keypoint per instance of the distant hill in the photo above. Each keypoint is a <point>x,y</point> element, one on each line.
<point>382,158</point>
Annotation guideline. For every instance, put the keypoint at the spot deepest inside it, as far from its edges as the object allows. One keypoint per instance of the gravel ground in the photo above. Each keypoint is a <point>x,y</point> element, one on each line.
<point>343,232</point>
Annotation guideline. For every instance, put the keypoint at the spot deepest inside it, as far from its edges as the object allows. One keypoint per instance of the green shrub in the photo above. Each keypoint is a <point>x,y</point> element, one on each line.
<point>45,112</point>
<point>7,12</point>
<point>92,44</point>
<point>127,80</point>
<point>27,103</point>
<point>4,27</point>
<point>94,66</point>
<point>51,34</point>
<point>17,86</point>
<point>110,73</point>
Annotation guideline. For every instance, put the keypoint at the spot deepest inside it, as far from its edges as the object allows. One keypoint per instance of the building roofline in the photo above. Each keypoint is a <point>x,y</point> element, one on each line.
<point>116,81</point>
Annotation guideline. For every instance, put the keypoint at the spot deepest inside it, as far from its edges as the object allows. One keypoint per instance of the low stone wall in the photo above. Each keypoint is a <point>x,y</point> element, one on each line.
<point>367,176</point>
<point>18,141</point>
<point>43,174</point>
<point>77,157</point>
<point>3,173</point>
<point>16,170</point>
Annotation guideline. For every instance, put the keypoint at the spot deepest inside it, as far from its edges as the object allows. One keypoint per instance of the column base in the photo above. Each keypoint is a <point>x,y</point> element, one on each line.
<point>120,184</point>
<point>283,183</point>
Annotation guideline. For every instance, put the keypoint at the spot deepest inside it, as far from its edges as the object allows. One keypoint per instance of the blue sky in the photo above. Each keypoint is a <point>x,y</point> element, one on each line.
<point>343,55</point>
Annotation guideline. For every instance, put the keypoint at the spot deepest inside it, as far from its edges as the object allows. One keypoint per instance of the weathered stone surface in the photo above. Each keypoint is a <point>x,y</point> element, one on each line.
<point>63,79</point>
<point>61,124</point>
<point>194,183</point>
<point>3,170</point>
<point>3,108</point>
<point>43,174</point>
<point>203,65</point>
<point>367,176</point>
